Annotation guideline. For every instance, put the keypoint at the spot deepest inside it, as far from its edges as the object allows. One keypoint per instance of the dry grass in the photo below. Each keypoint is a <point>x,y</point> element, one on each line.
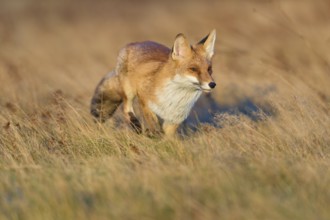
<point>266,158</point>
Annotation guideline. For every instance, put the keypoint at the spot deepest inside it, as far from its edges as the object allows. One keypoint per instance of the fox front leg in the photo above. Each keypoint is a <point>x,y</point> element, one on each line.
<point>170,129</point>
<point>152,127</point>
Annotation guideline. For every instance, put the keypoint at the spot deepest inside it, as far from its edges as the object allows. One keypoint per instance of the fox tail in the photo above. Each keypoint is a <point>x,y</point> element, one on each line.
<point>107,97</point>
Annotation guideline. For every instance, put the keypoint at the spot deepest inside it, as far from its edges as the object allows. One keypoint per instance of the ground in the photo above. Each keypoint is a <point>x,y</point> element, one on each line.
<point>262,153</point>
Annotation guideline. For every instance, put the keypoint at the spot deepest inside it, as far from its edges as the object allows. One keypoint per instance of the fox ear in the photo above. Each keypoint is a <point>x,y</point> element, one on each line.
<point>208,43</point>
<point>181,48</point>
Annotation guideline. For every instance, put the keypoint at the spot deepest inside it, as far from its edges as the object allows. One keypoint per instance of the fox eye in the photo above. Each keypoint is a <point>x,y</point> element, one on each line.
<point>209,70</point>
<point>193,69</point>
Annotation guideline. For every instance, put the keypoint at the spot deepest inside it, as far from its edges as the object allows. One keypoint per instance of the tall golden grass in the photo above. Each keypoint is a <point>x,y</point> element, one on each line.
<point>264,156</point>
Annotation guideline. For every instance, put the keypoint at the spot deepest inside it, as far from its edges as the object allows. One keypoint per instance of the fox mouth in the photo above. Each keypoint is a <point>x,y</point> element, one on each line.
<point>200,87</point>
<point>206,90</point>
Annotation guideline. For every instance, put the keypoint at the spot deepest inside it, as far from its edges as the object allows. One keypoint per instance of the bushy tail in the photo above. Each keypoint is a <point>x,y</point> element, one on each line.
<point>107,97</point>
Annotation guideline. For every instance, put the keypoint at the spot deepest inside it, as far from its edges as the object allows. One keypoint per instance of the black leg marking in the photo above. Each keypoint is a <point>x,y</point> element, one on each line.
<point>135,123</point>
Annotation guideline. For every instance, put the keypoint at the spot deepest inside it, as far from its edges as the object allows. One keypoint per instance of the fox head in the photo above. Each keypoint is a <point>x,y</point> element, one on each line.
<point>194,62</point>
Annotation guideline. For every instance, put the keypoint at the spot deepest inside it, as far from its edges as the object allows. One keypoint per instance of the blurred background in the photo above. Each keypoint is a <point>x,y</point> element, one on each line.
<point>263,47</point>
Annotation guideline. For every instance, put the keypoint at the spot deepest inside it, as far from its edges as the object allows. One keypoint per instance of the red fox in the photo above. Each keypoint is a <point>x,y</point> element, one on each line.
<point>167,82</point>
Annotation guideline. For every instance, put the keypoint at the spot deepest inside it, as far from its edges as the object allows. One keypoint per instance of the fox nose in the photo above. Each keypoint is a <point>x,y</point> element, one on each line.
<point>212,85</point>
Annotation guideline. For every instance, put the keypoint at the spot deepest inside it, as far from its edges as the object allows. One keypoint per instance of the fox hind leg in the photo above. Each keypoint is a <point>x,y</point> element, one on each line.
<point>130,115</point>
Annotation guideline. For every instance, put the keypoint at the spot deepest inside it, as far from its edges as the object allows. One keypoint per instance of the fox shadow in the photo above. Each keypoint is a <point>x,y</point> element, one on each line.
<point>207,108</point>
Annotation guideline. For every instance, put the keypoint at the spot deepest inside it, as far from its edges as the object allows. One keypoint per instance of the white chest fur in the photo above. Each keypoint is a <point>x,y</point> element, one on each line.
<point>175,99</point>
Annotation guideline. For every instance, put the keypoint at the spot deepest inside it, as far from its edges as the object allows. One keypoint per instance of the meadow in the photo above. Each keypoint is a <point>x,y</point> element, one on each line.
<point>260,148</point>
